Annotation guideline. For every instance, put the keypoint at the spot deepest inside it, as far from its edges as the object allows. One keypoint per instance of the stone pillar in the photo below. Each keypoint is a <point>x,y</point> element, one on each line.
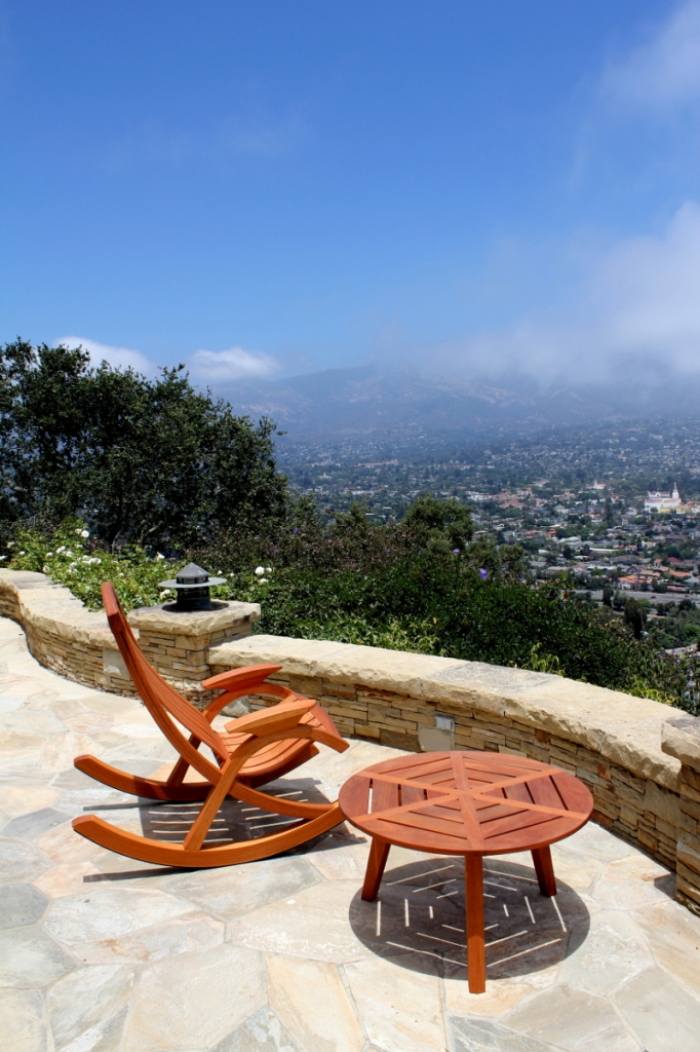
<point>177,644</point>
<point>681,738</point>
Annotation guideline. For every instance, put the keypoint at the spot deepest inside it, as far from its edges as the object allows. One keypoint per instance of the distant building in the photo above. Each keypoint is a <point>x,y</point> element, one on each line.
<point>663,502</point>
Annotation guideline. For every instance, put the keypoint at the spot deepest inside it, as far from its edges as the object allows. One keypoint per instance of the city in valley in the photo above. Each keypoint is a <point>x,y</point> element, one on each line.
<point>613,510</point>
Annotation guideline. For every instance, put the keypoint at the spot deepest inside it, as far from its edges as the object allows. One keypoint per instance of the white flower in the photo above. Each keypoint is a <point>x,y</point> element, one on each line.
<point>263,580</point>
<point>10,544</point>
<point>83,533</point>
<point>268,569</point>
<point>60,549</point>
<point>159,556</point>
<point>22,552</point>
<point>259,571</point>
<point>2,558</point>
<point>45,568</point>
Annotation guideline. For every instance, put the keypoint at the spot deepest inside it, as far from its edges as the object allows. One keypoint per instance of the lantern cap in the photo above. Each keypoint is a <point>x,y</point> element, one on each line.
<point>192,576</point>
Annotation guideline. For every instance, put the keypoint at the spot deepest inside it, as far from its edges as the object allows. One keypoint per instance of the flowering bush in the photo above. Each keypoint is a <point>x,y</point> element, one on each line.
<point>68,557</point>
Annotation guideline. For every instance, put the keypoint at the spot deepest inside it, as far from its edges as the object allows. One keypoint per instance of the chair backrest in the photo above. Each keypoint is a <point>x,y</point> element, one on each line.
<point>162,701</point>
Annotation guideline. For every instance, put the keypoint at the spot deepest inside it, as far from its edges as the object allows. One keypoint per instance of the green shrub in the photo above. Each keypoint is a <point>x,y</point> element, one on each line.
<point>383,587</point>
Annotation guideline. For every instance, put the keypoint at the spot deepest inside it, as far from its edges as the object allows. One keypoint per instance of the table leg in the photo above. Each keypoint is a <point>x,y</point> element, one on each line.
<point>378,854</point>
<point>474,895</point>
<point>542,858</point>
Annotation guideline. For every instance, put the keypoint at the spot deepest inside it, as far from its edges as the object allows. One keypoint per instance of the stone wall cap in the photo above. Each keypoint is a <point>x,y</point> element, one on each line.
<point>371,666</point>
<point>681,738</point>
<point>193,622</point>
<point>22,579</point>
<point>45,606</point>
<point>619,727</point>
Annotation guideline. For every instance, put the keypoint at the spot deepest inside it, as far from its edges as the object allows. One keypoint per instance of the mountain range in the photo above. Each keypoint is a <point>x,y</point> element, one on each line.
<point>342,403</point>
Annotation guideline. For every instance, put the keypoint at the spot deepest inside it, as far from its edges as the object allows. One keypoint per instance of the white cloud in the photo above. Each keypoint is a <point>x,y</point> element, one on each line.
<point>118,357</point>
<point>638,301</point>
<point>648,289</point>
<point>664,69</point>
<point>233,363</point>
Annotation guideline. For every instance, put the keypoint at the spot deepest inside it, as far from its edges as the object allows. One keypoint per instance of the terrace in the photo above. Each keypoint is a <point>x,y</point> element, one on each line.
<point>100,952</point>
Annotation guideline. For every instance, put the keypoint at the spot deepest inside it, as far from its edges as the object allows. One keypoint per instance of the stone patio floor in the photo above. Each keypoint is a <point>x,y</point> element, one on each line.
<point>99,952</point>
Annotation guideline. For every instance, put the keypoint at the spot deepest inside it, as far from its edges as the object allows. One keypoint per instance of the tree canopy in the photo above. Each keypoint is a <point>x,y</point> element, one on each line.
<point>146,460</point>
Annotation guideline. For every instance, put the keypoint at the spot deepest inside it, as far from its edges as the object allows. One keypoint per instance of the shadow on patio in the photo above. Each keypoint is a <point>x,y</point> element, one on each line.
<point>418,919</point>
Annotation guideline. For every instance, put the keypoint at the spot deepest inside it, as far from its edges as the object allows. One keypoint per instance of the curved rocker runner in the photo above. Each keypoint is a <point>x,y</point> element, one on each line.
<point>253,750</point>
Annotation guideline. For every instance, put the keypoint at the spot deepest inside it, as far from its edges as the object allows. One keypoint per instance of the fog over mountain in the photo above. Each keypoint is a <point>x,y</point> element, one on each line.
<point>339,403</point>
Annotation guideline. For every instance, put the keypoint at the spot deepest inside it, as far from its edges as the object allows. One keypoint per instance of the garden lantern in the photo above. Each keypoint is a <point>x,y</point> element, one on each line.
<point>192,586</point>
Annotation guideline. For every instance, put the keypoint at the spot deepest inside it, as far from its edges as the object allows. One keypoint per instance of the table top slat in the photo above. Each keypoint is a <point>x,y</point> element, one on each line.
<point>413,794</point>
<point>544,792</point>
<point>384,795</point>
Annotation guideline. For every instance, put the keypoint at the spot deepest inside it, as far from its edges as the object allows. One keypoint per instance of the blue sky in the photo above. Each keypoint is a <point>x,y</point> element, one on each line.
<point>272,187</point>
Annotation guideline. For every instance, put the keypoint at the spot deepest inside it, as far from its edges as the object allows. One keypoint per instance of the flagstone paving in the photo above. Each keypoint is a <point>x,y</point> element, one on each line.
<point>100,953</point>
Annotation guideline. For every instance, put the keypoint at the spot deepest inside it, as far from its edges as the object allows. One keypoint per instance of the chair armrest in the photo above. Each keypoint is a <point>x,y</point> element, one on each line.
<point>239,678</point>
<point>238,682</point>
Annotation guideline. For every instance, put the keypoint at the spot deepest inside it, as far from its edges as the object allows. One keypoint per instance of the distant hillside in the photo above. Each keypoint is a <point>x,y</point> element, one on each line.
<point>345,402</point>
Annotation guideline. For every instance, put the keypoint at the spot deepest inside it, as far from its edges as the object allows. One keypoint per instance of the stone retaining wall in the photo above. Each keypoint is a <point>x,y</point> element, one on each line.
<point>77,643</point>
<point>61,633</point>
<point>640,759</point>
<point>681,739</point>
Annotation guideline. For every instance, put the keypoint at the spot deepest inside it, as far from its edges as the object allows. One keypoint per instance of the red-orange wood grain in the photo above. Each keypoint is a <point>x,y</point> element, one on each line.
<point>252,750</point>
<point>468,803</point>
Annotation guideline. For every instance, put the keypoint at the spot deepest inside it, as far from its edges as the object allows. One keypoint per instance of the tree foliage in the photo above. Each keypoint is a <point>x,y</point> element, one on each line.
<point>140,460</point>
<point>441,524</point>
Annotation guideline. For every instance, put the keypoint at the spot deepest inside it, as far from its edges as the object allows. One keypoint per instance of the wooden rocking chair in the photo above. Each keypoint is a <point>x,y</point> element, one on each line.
<point>254,749</point>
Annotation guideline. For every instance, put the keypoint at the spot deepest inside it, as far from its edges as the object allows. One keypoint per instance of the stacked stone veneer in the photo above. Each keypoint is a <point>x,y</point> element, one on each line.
<point>681,739</point>
<point>640,759</point>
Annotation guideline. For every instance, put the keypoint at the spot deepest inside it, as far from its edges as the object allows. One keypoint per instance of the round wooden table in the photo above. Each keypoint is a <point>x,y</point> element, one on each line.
<point>471,804</point>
